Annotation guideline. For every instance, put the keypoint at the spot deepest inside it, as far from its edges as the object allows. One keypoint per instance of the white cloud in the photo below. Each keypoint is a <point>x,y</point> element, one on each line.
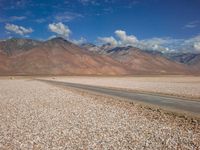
<point>169,44</point>
<point>126,39</point>
<point>197,46</point>
<point>17,18</point>
<point>18,29</point>
<point>12,18</point>
<point>111,40</point>
<point>155,41</point>
<point>86,2</point>
<point>67,16</point>
<point>60,29</point>
<point>158,44</point>
<point>16,4</point>
<point>192,24</point>
<point>40,20</point>
<point>192,44</point>
<point>80,41</point>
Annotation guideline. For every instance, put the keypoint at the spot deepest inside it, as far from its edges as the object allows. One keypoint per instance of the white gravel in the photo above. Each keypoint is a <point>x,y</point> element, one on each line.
<point>36,115</point>
<point>184,86</point>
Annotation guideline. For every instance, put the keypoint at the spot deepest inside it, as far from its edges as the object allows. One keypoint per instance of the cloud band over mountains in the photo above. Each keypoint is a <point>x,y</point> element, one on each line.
<point>157,44</point>
<point>121,38</point>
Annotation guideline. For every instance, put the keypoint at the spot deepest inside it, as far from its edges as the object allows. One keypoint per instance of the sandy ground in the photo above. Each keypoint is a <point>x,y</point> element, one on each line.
<point>182,86</point>
<point>35,115</point>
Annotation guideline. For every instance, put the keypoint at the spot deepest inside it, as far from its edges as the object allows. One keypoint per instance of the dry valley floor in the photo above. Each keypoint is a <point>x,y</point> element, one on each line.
<point>36,115</point>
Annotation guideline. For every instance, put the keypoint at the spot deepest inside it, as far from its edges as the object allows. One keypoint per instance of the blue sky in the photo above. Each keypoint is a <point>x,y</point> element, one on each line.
<point>164,22</point>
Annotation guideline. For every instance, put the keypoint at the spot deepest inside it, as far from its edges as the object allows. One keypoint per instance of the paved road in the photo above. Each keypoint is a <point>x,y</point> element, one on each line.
<point>171,103</point>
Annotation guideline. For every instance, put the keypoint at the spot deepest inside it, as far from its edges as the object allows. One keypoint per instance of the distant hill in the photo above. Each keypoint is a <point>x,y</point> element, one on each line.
<point>192,59</point>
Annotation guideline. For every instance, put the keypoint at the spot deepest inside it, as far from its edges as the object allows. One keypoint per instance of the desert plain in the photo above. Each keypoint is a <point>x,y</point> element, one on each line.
<point>37,115</point>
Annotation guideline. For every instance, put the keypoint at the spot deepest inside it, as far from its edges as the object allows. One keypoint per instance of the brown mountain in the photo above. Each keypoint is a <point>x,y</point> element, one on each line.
<point>61,57</point>
<point>57,57</point>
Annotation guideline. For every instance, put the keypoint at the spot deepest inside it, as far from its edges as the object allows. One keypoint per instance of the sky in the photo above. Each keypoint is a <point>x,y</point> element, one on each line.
<point>165,25</point>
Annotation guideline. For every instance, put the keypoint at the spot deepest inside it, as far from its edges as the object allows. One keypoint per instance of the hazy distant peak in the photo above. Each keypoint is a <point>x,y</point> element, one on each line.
<point>15,45</point>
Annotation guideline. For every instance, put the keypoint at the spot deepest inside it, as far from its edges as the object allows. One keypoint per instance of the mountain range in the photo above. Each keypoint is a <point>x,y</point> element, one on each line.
<point>59,56</point>
<point>189,60</point>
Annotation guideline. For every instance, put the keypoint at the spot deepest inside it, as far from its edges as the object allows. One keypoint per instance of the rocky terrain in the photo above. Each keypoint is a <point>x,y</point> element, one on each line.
<point>35,115</point>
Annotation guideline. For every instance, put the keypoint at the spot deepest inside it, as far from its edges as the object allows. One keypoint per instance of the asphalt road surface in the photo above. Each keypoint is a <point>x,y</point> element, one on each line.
<point>167,102</point>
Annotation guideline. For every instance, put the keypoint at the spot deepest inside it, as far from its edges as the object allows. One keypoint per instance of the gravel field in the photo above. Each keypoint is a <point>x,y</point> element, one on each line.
<point>35,115</point>
<point>173,85</point>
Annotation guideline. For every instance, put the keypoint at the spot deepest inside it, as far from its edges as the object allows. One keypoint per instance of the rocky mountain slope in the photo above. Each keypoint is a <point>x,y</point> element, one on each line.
<point>61,57</point>
<point>192,59</point>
